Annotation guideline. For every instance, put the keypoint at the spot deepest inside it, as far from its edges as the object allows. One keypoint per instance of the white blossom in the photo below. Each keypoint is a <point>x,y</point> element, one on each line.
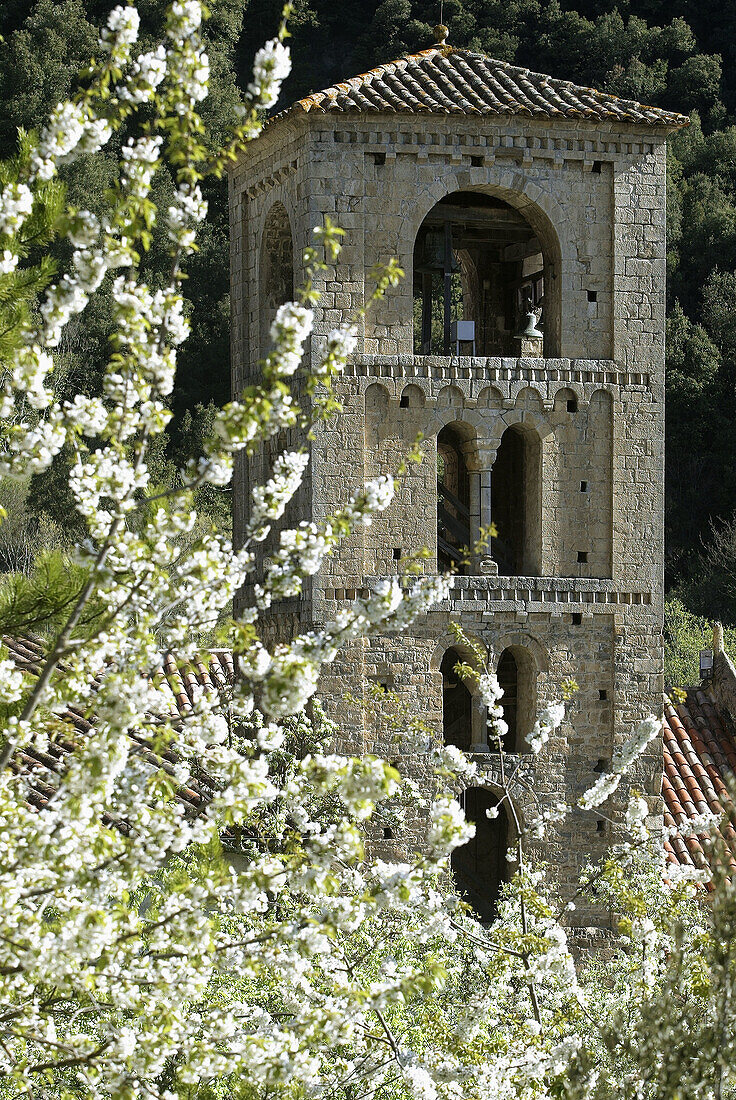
<point>145,76</point>
<point>271,67</point>
<point>8,262</point>
<point>123,23</point>
<point>643,733</point>
<point>11,682</point>
<point>132,953</point>
<point>16,203</point>
<point>547,722</point>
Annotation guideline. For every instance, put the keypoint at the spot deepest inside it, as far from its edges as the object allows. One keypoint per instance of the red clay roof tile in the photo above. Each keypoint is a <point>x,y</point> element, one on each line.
<point>213,673</point>
<point>444,80</point>
<point>699,759</point>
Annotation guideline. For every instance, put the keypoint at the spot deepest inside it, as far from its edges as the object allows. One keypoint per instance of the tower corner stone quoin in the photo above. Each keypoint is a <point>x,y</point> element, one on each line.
<point>534,210</point>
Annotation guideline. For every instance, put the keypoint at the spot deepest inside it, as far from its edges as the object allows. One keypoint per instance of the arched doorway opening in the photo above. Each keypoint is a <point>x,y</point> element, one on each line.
<point>276,269</point>
<point>457,704</point>
<point>478,259</point>
<point>453,502</point>
<point>516,503</point>
<point>480,866</point>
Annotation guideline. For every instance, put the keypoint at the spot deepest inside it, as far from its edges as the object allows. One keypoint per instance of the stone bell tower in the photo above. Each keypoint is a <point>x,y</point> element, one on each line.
<point>526,345</point>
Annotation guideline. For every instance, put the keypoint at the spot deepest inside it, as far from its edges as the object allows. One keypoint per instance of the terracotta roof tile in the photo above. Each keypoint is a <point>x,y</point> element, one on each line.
<point>213,671</point>
<point>443,80</point>
<point>699,760</point>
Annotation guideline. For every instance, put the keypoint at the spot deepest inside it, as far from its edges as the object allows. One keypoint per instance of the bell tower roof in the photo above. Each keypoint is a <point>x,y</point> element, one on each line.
<point>444,80</point>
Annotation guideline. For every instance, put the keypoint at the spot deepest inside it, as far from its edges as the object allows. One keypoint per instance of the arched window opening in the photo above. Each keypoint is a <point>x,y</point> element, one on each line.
<point>507,675</point>
<point>517,677</point>
<point>453,502</point>
<point>376,412</point>
<point>457,704</point>
<point>276,268</point>
<point>516,504</point>
<point>412,397</point>
<point>481,280</point>
<point>480,866</point>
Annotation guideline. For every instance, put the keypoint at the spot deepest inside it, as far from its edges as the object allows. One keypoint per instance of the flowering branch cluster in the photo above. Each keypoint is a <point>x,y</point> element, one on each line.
<point>134,960</point>
<point>89,977</point>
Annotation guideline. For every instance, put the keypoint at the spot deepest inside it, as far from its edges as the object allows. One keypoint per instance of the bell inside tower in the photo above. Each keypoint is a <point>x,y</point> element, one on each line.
<point>479,279</point>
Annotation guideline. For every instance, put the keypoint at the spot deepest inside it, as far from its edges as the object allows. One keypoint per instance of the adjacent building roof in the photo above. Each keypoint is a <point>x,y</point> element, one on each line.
<point>40,768</point>
<point>443,80</point>
<point>699,761</point>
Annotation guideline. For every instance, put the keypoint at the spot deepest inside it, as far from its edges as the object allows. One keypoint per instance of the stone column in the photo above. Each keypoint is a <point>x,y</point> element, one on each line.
<point>478,726</point>
<point>486,456</point>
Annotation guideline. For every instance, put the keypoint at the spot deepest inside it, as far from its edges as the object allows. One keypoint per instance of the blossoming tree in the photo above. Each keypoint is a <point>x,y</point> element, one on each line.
<point>135,961</point>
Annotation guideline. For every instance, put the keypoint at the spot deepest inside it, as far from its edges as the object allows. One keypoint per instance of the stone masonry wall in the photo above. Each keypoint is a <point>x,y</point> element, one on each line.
<point>594,194</point>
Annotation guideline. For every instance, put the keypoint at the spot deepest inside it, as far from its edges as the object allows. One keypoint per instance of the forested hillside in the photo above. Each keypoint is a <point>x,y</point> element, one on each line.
<point>678,54</point>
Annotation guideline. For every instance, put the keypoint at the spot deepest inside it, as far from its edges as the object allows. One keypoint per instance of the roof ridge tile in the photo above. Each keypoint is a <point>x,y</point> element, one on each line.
<point>455,80</point>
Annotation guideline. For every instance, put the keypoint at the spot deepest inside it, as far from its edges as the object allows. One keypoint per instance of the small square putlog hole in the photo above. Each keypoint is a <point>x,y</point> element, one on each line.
<point>592,295</point>
<point>602,694</point>
<point>583,486</point>
<point>582,557</point>
<point>577,618</point>
<point>397,553</point>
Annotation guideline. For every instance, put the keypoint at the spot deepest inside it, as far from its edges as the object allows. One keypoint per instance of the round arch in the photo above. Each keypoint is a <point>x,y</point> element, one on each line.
<point>527,641</point>
<point>463,714</point>
<point>275,268</point>
<point>524,227</point>
<point>480,867</point>
<point>412,397</point>
<point>516,671</point>
<point>516,502</point>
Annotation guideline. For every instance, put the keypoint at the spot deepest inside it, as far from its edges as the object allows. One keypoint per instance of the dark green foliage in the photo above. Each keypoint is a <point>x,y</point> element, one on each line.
<point>46,45</point>
<point>40,601</point>
<point>19,289</point>
<point>711,587</point>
